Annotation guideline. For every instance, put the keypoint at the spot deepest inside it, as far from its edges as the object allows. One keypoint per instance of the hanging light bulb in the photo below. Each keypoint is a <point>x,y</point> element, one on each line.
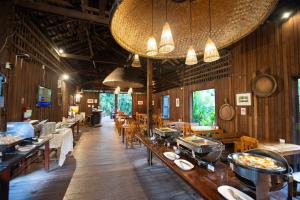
<point>151,44</point>
<point>191,57</point>
<point>130,91</point>
<point>210,51</point>
<point>136,61</point>
<point>166,44</point>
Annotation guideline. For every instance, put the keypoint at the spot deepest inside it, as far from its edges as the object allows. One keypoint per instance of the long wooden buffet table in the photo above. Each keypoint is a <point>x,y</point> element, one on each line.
<point>203,181</point>
<point>18,157</point>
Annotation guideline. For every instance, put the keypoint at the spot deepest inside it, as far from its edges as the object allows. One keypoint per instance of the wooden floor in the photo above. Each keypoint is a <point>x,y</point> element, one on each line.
<point>102,168</point>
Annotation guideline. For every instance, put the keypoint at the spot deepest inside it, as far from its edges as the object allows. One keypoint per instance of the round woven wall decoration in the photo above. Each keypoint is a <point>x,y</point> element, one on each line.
<point>264,85</point>
<point>226,111</point>
<point>231,20</point>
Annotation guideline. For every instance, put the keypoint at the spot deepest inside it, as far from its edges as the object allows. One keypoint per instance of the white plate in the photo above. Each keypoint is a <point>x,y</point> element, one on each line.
<point>224,191</point>
<point>184,164</point>
<point>171,155</point>
<point>26,148</point>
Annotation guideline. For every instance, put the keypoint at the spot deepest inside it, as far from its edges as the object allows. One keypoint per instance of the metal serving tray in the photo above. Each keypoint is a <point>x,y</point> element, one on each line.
<point>200,144</point>
<point>166,132</point>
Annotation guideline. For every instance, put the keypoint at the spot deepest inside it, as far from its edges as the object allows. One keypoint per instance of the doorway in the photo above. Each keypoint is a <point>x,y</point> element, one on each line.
<point>125,103</point>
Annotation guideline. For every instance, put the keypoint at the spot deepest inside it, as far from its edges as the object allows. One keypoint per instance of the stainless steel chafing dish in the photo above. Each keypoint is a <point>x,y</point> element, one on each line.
<point>167,134</point>
<point>204,150</point>
<point>262,171</point>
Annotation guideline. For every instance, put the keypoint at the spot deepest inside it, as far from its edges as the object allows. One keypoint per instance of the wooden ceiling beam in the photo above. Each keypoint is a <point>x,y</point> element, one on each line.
<point>44,7</point>
<point>87,58</point>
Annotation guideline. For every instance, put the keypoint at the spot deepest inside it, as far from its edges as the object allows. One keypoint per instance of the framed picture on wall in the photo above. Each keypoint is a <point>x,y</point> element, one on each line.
<point>90,100</point>
<point>140,102</point>
<point>95,100</point>
<point>243,99</point>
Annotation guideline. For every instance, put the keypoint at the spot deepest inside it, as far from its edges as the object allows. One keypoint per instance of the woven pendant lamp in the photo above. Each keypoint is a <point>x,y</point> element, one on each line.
<point>166,44</point>
<point>136,61</point>
<point>191,57</point>
<point>130,91</point>
<point>124,78</point>
<point>151,44</point>
<point>210,51</point>
<point>130,23</point>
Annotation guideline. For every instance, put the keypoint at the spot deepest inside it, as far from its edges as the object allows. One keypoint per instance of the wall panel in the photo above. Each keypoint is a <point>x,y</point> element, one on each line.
<point>272,48</point>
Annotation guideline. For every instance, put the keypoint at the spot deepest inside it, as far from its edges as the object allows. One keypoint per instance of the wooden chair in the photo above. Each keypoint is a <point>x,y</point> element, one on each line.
<point>187,130</point>
<point>245,143</point>
<point>118,126</point>
<point>130,135</point>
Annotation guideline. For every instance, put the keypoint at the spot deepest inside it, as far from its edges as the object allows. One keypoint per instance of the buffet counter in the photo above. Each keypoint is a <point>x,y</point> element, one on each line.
<point>203,181</point>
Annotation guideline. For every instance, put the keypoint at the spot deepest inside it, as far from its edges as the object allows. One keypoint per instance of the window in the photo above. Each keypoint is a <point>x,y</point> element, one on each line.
<point>107,103</point>
<point>125,103</point>
<point>166,106</point>
<point>204,109</point>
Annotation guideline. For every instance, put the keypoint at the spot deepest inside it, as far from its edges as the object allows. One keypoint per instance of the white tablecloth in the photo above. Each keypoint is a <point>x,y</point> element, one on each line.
<point>63,140</point>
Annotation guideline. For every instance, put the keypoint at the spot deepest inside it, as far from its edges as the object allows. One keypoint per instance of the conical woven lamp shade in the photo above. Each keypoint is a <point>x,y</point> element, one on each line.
<point>166,44</point>
<point>210,52</point>
<point>191,57</point>
<point>151,46</point>
<point>124,78</point>
<point>136,61</point>
<point>130,23</point>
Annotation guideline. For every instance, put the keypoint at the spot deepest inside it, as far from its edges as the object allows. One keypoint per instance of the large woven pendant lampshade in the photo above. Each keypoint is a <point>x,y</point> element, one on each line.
<point>232,20</point>
<point>124,78</point>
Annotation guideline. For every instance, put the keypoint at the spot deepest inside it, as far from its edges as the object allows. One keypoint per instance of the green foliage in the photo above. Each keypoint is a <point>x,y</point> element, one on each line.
<point>125,103</point>
<point>107,101</point>
<point>204,111</point>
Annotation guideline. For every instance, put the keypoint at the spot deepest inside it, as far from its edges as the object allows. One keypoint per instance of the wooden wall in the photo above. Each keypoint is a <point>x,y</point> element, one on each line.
<point>24,80</point>
<point>84,106</point>
<point>272,48</point>
<point>136,107</point>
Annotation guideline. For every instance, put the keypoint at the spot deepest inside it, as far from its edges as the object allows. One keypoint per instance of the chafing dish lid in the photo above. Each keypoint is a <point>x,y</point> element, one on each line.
<point>197,140</point>
<point>166,129</point>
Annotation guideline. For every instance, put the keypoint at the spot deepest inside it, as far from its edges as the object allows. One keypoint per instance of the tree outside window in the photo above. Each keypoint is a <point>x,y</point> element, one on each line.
<point>125,103</point>
<point>204,109</point>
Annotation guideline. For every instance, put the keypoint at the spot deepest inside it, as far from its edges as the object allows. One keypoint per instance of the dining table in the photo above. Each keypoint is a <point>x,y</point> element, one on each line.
<point>203,130</point>
<point>284,149</point>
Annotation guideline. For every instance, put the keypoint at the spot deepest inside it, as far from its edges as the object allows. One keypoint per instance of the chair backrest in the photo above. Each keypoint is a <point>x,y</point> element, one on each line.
<point>187,130</point>
<point>249,142</point>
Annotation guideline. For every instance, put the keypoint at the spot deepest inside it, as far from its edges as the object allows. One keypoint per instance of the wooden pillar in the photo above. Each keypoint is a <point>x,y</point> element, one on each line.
<point>149,105</point>
<point>116,105</point>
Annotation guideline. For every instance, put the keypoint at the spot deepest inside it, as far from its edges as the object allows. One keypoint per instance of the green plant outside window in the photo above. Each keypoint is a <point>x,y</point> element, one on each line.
<point>204,108</point>
<point>125,103</point>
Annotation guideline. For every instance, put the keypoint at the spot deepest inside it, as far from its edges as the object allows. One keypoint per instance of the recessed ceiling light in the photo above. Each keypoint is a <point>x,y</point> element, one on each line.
<point>60,51</point>
<point>286,15</point>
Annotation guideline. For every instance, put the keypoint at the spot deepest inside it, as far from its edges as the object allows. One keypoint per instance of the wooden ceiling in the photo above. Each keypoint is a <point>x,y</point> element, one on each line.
<point>80,29</point>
